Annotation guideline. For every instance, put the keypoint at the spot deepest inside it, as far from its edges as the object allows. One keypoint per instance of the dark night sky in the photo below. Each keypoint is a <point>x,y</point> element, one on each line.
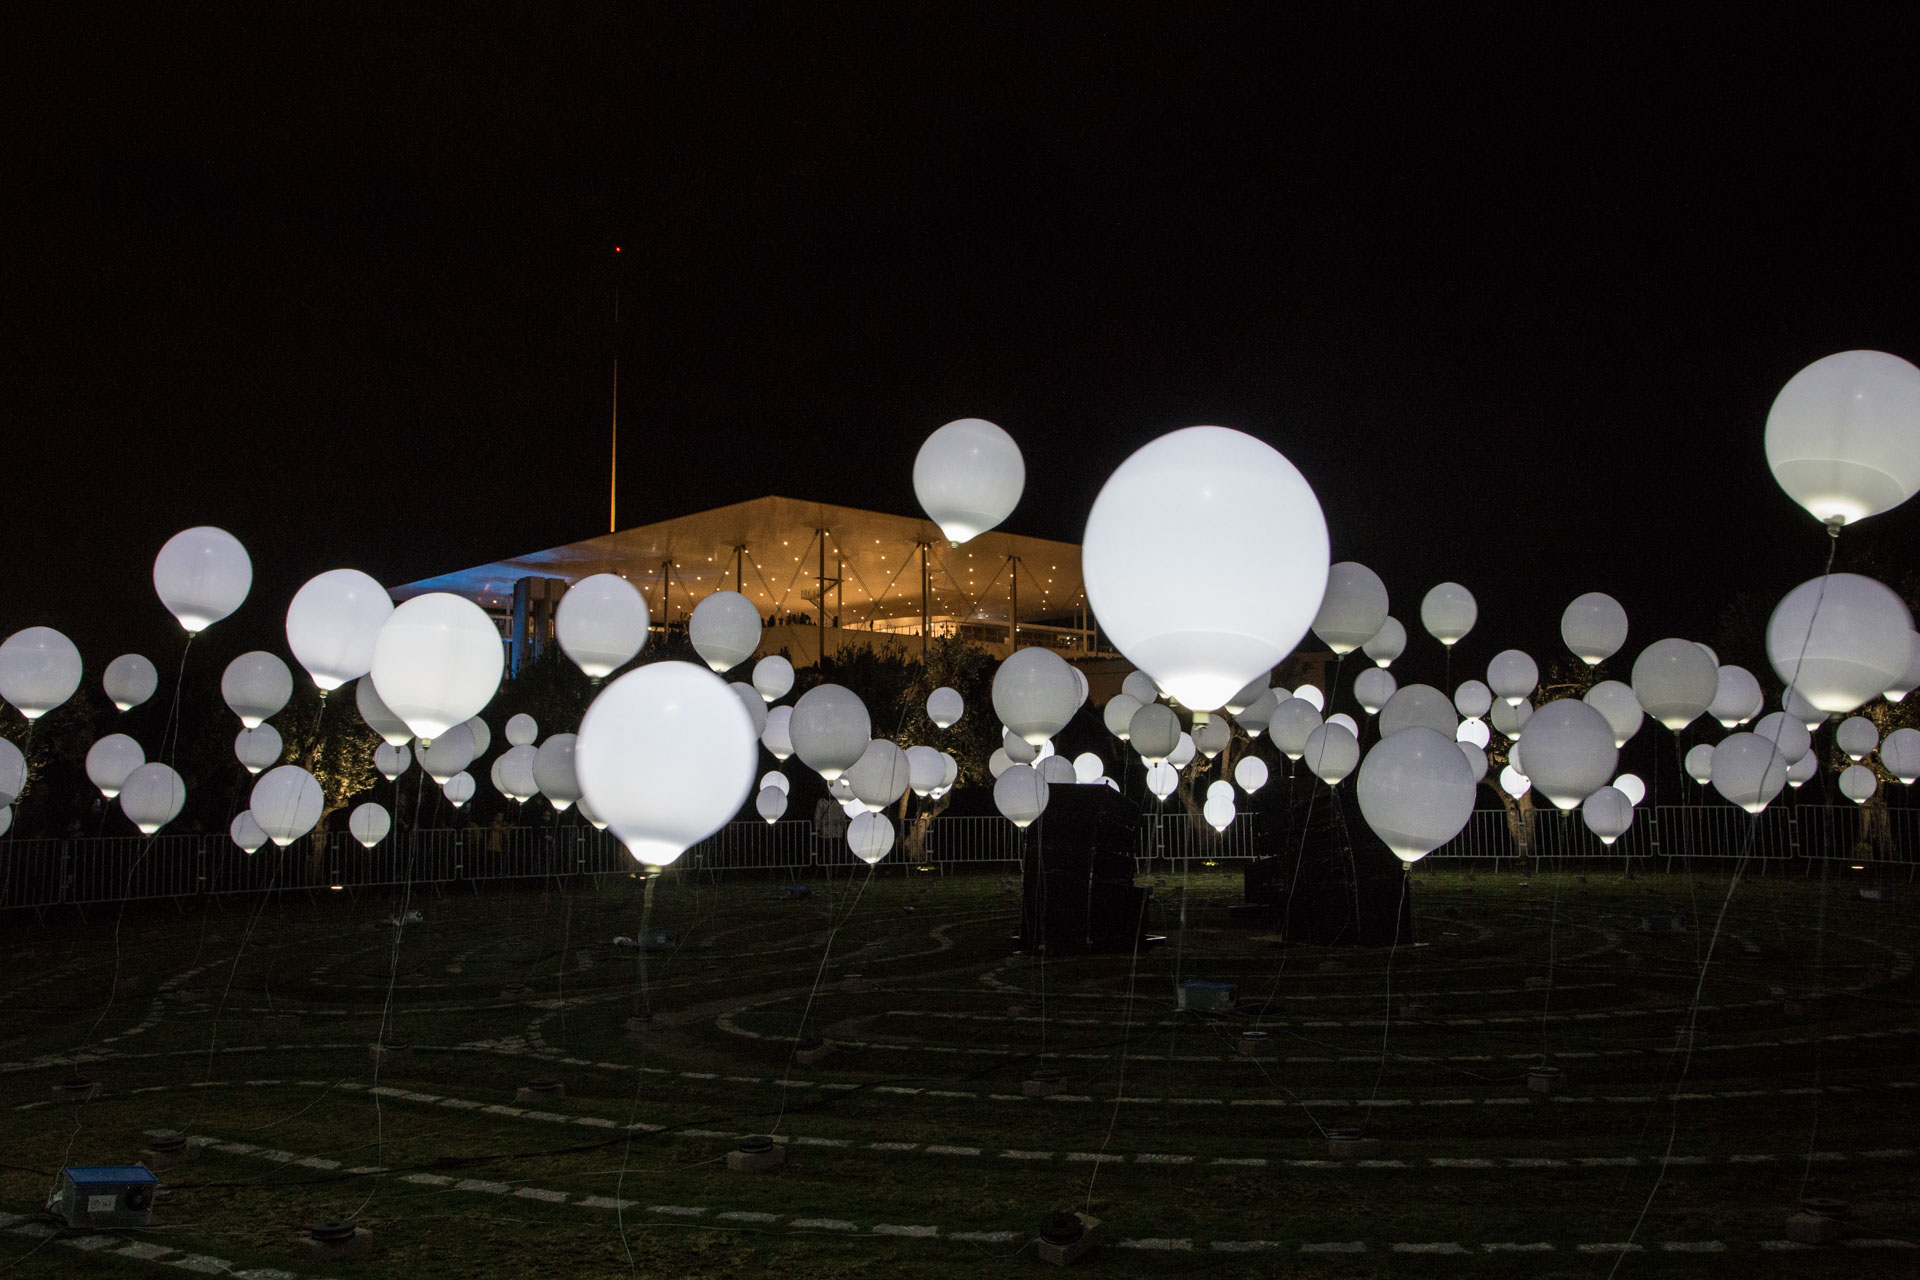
<point>1514,296</point>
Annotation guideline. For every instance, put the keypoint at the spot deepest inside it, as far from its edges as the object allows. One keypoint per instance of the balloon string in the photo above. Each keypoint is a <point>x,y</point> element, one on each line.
<point>170,727</point>
<point>1386,1021</point>
<point>826,952</point>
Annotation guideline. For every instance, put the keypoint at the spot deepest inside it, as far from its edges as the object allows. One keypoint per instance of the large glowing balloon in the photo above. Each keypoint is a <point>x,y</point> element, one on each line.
<point>1415,791</point>
<point>1418,704</point>
<point>601,623</point>
<point>1699,763</point>
<point>129,680</point>
<point>286,803</point>
<point>1748,771</point>
<point>1856,736</point>
<point>1251,773</point>
<point>256,685</point>
<point>1372,687</point>
<point>1035,694</point>
<point>1843,436</point>
<point>1737,699</point>
<point>773,677</point>
<point>245,832</point>
<point>1293,720</point>
<point>378,716</point>
<point>257,748</point>
<point>1675,681</point>
<point>1258,715</point>
<point>1900,754</point>
<point>777,734</point>
<point>369,823</point>
<point>968,477</point>
<point>1353,609</point>
<point>516,779</point>
<point>110,760</point>
<point>881,775</point>
<point>436,662</point>
<point>1388,643</point>
<point>1570,751</point>
<point>926,770</point>
<point>870,836</point>
<point>1616,701</point>
<point>1608,813</point>
<point>447,754</point>
<point>725,630</point>
<point>522,730</point>
<point>1020,794</point>
<point>1594,627</point>
<point>332,624</point>
<point>1204,625</point>
<point>152,796</point>
<point>1513,675</point>
<point>945,707</point>
<point>1448,612</point>
<point>666,757</point>
<point>556,766</point>
<point>829,728</point>
<point>391,761</point>
<point>1154,732</point>
<point>201,575</point>
<point>1331,752</point>
<point>39,670</point>
<point>1117,715</point>
<point>1840,640</point>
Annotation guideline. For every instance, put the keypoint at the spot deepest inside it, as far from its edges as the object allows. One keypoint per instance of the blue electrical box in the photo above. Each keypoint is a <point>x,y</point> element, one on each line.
<point>106,1195</point>
<point>1207,997</point>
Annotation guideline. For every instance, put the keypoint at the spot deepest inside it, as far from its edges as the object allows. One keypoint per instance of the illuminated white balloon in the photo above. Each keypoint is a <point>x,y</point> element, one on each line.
<point>853,808</point>
<point>1372,687</point>
<point>1509,721</point>
<point>968,477</point>
<point>773,677</point>
<point>1621,708</point>
<point>1474,732</point>
<point>1117,715</point>
<point>601,624</point>
<point>1020,794</point>
<point>1570,751</point>
<point>391,761</point>
<point>1346,722</point>
<point>1035,694</point>
<point>257,748</point>
<point>1513,675</point>
<point>1088,767</point>
<point>1415,791</point>
<point>1514,782</point>
<point>1909,679</point>
<point>1448,612</point>
<point>999,762</point>
<point>666,756</point>
<point>447,754</point>
<point>1212,737</point>
<point>152,796</point>
<point>481,734</point>
<point>1802,710</point>
<point>1748,771</point>
<point>775,778</point>
<point>459,789</point>
<point>369,823</point>
<point>777,734</point>
<point>1258,715</point>
<point>1292,721</point>
<point>1594,627</point>
<point>1057,770</point>
<point>1353,609</point>
<point>1140,687</point>
<point>1856,737</point>
<point>1474,699</point>
<point>1737,699</point>
<point>1203,626</point>
<point>1251,692</point>
<point>245,832</point>
<point>129,680</point>
<point>1789,736</point>
<point>286,803</point>
<point>1331,753</point>
<point>515,772</point>
<point>1418,705</point>
<point>1476,759</point>
<point>1183,752</point>
<point>1802,771</point>
<point>1218,812</point>
<point>1699,763</point>
<point>109,761</point>
<point>881,775</point>
<point>1608,813</point>
<point>1674,681</point>
<point>201,575</point>
<point>1311,695</point>
<point>1900,754</point>
<point>522,730</point>
<point>1857,783</point>
<point>1388,643</point>
<point>1162,779</point>
<point>829,729</point>
<point>332,623</point>
<point>1251,773</point>
<point>556,766</point>
<point>926,770</point>
<point>594,820</point>
<point>870,836</point>
<point>1154,732</point>
<point>771,804</point>
<point>1840,640</point>
<point>1843,436</point>
<point>945,707</point>
<point>725,630</point>
<point>39,670</point>
<point>436,663</point>
<point>756,705</point>
<point>256,685</point>
<point>378,716</point>
<point>1630,786</point>
<point>1018,749</point>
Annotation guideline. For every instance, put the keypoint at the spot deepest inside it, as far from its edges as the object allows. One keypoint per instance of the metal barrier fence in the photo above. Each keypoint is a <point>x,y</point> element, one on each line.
<point>42,873</point>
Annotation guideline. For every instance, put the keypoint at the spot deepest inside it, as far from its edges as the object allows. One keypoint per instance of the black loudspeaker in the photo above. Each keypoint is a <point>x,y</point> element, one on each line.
<point>1327,880</point>
<point>1077,868</point>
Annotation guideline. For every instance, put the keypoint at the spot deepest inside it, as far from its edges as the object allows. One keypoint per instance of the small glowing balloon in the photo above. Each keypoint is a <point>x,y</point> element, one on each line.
<point>258,748</point>
<point>666,756</point>
<point>829,729</point>
<point>1509,721</point>
<point>1292,721</point>
<point>1789,736</point>
<point>1618,704</point>
<point>152,796</point>
<point>1802,771</point>
<point>1372,687</point>
<point>1910,679</point>
<point>1594,627</point>
<point>1203,626</point>
<point>1088,767</point>
<point>1473,730</point>
<point>459,789</point>
<point>1117,715</point>
<point>926,769</point>
<point>1162,779</point>
<point>1570,751</point>
<point>39,670</point>
<point>1514,782</point>
<point>725,630</point>
<point>1608,813</point>
<point>1183,752</point>
<point>109,761</point>
<point>1251,773</point>
<point>201,575</point>
<point>1258,715</point>
<point>1154,732</point>
<point>391,761</point>
<point>556,768</point>
<point>1843,436</point>
<point>332,623</point>
<point>601,624</point>
<point>1353,609</point>
<point>369,823</point>
<point>945,707</point>
<point>777,734</point>
<point>129,680</point>
<point>1250,693</point>
<point>1218,812</point>
<point>773,677</point>
<point>1140,687</point>
<point>1415,791</point>
<point>881,775</point>
<point>1513,675</point>
<point>1856,736</point>
<point>950,774</point>
<point>286,803</point>
<point>1056,771</point>
<point>1630,786</point>
<point>1840,640</point>
<point>756,705</point>
<point>1900,754</point>
<point>1331,753</point>
<point>378,716</point>
<point>968,477</point>
<point>1737,699</point>
<point>594,820</point>
<point>1213,736</point>
<point>1018,749</point>
<point>436,663</point>
<point>1699,763</point>
<point>1448,612</point>
<point>1748,771</point>
<point>1020,794</point>
<point>1388,643</point>
<point>1802,710</point>
<point>771,804</point>
<point>522,730</point>
<point>1418,704</point>
<point>447,754</point>
<point>1476,759</point>
<point>245,832</point>
<point>1857,783</point>
<point>1035,694</point>
<point>1346,722</point>
<point>775,778</point>
<point>870,836</point>
<point>256,685</point>
<point>999,762</point>
<point>1675,681</point>
<point>1311,695</point>
<point>481,734</point>
<point>1474,699</point>
<point>516,779</point>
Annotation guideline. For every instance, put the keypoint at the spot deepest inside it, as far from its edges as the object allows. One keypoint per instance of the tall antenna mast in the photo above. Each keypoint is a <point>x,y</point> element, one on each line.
<point>613,461</point>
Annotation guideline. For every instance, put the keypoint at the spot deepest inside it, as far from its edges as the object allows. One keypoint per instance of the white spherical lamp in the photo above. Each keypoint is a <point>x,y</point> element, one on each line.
<point>256,685</point>
<point>436,662</point>
<point>129,680</point>
<point>201,575</point>
<point>1843,436</point>
<point>1448,612</point>
<point>601,624</point>
<point>39,670</point>
<point>829,728</point>
<point>1353,609</point>
<point>1840,640</point>
<point>968,477</point>
<point>332,623</point>
<point>1415,791</point>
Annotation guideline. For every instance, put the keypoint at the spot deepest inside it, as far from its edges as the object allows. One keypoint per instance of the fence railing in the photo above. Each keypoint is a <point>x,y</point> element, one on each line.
<point>42,873</point>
